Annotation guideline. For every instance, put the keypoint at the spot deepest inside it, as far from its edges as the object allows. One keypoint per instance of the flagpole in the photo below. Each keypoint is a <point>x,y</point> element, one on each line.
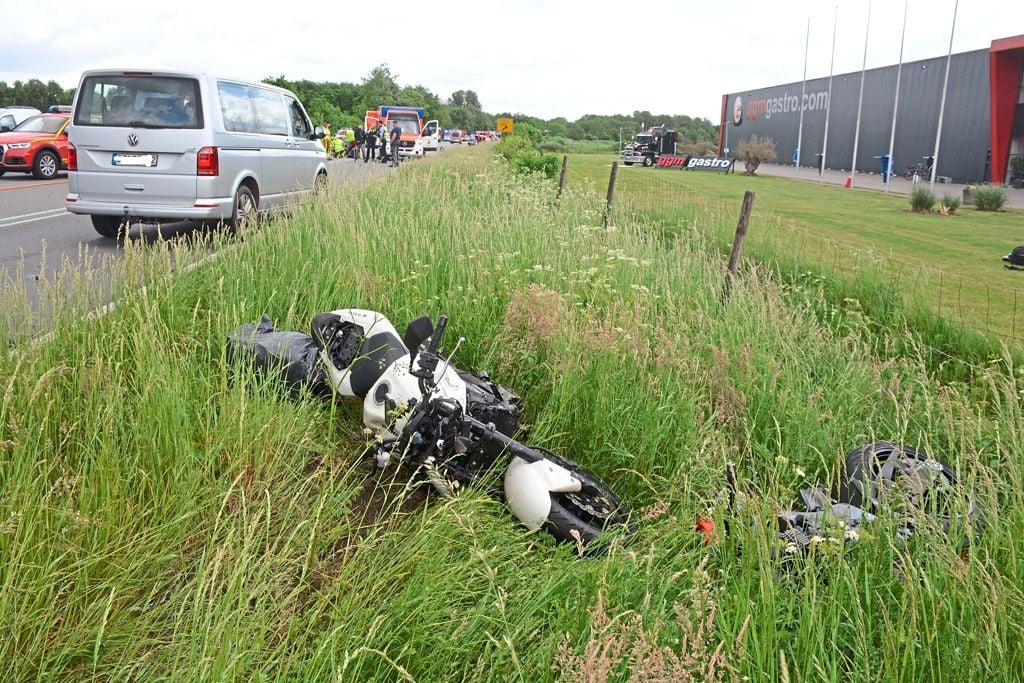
<point>828,103</point>
<point>803,94</point>
<point>942,107</point>
<point>896,100</point>
<point>860,99</point>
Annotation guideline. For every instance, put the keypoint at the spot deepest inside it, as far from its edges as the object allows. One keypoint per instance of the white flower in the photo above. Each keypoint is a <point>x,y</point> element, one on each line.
<point>851,535</point>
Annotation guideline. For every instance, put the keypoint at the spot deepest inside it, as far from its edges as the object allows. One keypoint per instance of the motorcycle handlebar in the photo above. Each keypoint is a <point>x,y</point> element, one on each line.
<point>435,339</point>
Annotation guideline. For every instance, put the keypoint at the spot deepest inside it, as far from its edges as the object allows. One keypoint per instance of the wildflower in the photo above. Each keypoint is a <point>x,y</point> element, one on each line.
<point>851,535</point>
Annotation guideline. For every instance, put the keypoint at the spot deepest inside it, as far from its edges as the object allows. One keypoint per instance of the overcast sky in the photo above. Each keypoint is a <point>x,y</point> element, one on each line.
<point>538,57</point>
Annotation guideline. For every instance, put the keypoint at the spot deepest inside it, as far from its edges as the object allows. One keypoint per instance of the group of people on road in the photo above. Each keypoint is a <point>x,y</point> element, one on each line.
<point>364,143</point>
<point>379,136</point>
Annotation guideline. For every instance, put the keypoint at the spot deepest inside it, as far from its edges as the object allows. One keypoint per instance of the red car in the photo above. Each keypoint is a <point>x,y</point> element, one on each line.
<point>39,146</point>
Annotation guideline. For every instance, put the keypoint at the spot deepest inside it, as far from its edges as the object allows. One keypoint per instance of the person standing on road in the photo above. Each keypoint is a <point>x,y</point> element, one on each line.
<point>382,136</point>
<point>360,137</point>
<point>327,139</point>
<point>370,153</point>
<point>381,141</point>
<point>396,136</point>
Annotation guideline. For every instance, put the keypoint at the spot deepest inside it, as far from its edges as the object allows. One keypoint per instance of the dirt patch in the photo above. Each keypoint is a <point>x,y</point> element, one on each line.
<point>384,499</point>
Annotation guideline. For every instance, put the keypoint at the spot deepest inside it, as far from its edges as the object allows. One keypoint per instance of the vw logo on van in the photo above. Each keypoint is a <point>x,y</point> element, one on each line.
<point>133,139</point>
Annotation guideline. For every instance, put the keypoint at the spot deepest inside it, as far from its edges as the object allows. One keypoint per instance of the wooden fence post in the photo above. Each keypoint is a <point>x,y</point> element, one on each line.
<point>611,192</point>
<point>737,243</point>
<point>561,178</point>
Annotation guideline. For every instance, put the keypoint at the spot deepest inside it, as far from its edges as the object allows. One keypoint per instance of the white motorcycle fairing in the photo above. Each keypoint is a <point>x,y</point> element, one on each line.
<point>394,381</point>
<point>528,489</point>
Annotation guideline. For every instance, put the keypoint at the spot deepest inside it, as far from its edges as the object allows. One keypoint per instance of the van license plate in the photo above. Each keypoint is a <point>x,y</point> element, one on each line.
<point>146,160</point>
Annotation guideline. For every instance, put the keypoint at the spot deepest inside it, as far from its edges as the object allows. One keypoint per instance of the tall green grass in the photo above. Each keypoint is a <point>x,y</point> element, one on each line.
<point>839,253</point>
<point>164,518</point>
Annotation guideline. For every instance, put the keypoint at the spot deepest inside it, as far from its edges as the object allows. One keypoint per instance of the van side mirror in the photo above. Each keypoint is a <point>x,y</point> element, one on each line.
<point>318,133</point>
<point>4,129</point>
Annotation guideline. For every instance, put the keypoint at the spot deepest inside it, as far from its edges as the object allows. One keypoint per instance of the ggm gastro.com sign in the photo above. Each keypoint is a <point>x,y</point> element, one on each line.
<point>766,107</point>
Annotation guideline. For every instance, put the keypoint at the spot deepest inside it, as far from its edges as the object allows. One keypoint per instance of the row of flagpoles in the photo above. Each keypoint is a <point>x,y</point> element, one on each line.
<point>860,98</point>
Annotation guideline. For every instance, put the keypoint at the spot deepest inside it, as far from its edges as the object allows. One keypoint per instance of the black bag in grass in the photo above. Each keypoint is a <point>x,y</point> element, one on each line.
<point>292,357</point>
<point>1015,259</point>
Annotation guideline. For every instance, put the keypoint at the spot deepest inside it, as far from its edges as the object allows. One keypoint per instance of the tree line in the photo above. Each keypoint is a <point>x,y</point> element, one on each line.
<point>345,104</point>
<point>34,93</point>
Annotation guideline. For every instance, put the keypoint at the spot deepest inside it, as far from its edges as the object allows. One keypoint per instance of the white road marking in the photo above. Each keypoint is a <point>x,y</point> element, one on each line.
<point>30,217</point>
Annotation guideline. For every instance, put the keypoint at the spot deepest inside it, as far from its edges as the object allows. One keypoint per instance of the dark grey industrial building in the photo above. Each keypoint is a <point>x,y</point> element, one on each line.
<point>976,146</point>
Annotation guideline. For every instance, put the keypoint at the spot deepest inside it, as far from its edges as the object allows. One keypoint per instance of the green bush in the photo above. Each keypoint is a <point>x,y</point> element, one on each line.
<point>513,145</point>
<point>950,204</point>
<point>521,153</point>
<point>529,131</point>
<point>534,161</point>
<point>922,200</point>
<point>989,198</point>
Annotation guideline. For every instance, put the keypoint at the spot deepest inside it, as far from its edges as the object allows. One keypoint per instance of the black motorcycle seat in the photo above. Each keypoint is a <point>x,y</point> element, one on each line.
<point>376,355</point>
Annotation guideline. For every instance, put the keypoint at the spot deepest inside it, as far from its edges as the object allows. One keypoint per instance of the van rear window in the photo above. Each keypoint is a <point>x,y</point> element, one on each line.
<point>139,101</point>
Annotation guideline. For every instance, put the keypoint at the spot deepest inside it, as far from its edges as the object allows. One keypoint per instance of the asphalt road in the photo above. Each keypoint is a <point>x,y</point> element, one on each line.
<point>37,234</point>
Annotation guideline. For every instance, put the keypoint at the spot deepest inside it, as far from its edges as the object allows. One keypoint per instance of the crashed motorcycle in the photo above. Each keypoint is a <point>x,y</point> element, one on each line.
<point>449,425</point>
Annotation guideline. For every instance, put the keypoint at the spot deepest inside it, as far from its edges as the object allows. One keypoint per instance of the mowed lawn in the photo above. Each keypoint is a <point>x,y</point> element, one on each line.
<point>952,264</point>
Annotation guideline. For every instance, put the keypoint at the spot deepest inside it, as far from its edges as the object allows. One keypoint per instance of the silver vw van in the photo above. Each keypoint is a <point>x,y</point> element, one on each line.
<point>162,146</point>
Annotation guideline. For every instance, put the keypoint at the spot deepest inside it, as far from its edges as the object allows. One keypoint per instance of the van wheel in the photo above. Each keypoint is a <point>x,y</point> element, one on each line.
<point>320,184</point>
<point>109,226</point>
<point>244,212</point>
<point>46,165</point>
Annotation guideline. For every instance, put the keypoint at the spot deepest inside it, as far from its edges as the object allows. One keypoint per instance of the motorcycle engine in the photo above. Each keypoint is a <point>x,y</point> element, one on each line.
<point>490,402</point>
<point>493,403</point>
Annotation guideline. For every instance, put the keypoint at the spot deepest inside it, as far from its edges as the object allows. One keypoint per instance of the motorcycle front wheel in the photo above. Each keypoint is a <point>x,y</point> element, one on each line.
<point>582,516</point>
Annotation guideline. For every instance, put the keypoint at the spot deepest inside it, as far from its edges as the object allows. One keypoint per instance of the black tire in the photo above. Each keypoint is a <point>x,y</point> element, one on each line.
<point>46,165</point>
<point>109,226</point>
<point>320,184</point>
<point>2,171</point>
<point>648,161</point>
<point>244,210</point>
<point>591,512</point>
<point>628,163</point>
<point>868,467</point>
<point>926,482</point>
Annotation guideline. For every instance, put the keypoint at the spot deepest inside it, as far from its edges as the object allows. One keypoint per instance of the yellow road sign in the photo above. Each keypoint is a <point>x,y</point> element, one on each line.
<point>505,125</point>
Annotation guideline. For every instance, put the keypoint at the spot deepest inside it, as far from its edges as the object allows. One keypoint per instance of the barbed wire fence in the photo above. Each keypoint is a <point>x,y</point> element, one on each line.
<point>796,253</point>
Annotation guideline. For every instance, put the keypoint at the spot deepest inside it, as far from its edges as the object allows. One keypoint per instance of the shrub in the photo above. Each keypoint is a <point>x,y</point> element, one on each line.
<point>755,151</point>
<point>922,200</point>
<point>989,198</point>
<point>950,204</point>
<point>513,145</point>
<point>699,149</point>
<point>534,161</point>
<point>518,149</point>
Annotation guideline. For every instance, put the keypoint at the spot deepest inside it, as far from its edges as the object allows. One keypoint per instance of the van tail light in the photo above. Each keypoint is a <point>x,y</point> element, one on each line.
<point>72,158</point>
<point>207,162</point>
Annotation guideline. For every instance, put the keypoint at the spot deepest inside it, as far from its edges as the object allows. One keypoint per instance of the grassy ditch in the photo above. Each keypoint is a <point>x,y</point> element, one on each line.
<point>164,519</point>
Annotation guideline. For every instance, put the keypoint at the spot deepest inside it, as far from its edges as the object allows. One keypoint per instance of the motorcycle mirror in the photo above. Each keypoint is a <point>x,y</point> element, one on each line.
<point>418,331</point>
